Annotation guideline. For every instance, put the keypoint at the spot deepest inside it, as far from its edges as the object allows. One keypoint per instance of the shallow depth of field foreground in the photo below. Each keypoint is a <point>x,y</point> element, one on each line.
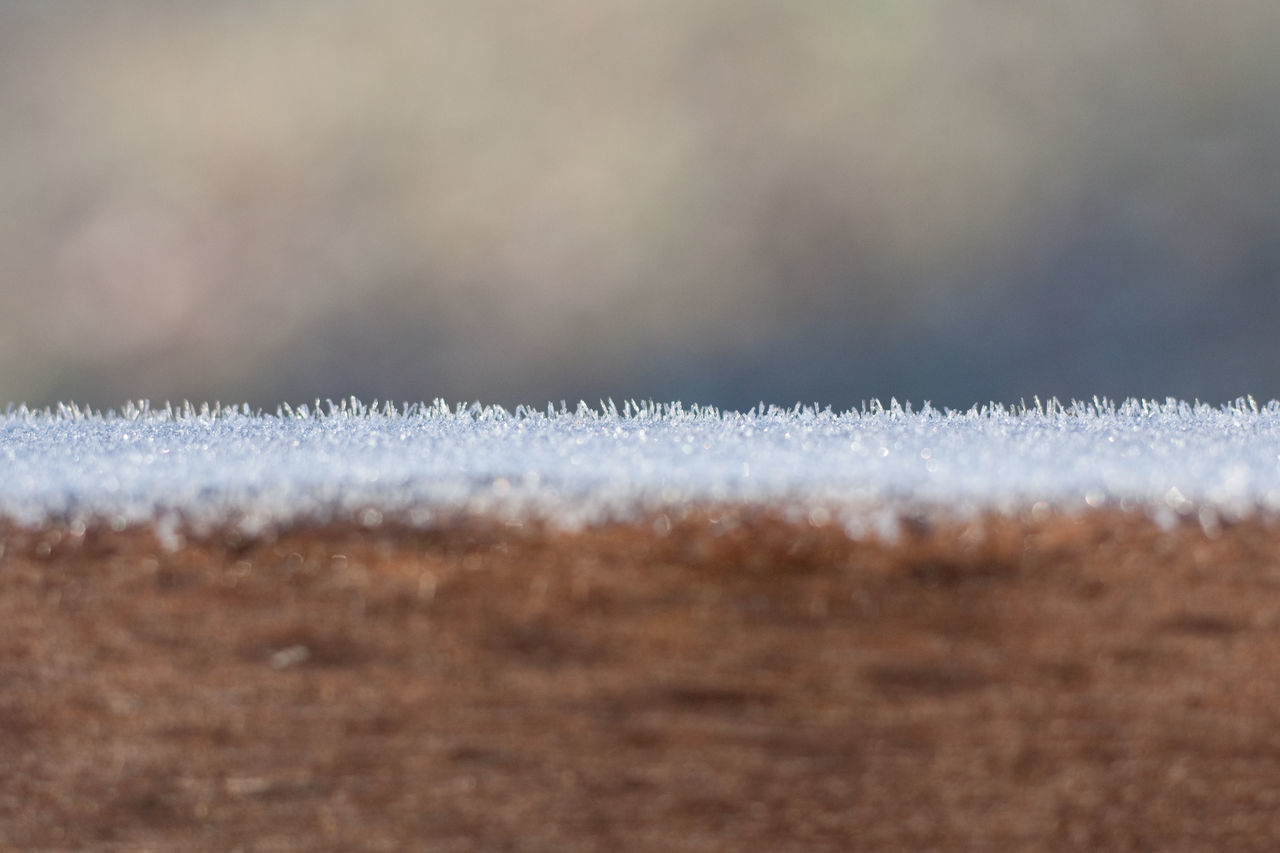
<point>1044,629</point>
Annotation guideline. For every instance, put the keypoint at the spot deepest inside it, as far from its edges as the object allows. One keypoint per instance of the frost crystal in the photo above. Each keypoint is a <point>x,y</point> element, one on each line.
<point>425,462</point>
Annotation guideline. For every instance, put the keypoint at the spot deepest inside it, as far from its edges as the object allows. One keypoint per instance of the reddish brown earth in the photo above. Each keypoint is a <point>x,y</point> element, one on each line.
<point>738,683</point>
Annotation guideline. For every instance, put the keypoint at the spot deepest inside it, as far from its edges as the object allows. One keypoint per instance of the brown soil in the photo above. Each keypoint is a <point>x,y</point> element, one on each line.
<point>726,682</point>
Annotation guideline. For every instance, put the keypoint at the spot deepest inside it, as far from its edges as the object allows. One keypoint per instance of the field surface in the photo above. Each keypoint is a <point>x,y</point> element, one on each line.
<point>439,629</point>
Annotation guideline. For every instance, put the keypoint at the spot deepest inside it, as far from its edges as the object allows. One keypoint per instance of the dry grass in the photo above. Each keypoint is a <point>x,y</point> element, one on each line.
<point>737,683</point>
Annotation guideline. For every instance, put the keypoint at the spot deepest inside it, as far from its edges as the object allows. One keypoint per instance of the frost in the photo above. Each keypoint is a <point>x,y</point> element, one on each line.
<point>428,463</point>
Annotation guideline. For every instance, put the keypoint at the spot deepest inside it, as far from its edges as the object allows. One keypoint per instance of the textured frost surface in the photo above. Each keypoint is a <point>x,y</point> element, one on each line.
<point>578,466</point>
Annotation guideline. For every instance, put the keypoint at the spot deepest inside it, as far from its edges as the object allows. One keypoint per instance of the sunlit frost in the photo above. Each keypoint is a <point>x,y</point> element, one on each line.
<point>865,469</point>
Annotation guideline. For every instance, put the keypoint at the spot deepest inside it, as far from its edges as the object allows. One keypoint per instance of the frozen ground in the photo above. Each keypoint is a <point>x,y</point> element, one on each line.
<point>426,462</point>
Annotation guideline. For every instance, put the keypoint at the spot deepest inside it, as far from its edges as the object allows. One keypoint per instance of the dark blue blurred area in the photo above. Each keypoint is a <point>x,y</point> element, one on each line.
<point>718,202</point>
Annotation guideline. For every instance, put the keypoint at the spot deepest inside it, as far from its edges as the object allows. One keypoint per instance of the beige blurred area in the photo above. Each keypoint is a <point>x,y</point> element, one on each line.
<point>722,201</point>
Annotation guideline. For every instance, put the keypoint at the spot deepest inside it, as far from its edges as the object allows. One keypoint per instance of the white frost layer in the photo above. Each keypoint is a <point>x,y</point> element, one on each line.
<point>204,467</point>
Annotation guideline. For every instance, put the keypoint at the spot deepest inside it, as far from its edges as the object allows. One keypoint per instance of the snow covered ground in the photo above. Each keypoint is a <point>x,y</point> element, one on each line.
<point>427,462</point>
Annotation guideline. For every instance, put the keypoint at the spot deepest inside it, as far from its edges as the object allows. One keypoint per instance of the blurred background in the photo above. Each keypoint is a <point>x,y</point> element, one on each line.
<point>717,201</point>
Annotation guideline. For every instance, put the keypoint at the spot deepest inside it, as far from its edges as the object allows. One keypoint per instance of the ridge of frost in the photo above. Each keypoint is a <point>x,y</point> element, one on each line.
<point>209,465</point>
